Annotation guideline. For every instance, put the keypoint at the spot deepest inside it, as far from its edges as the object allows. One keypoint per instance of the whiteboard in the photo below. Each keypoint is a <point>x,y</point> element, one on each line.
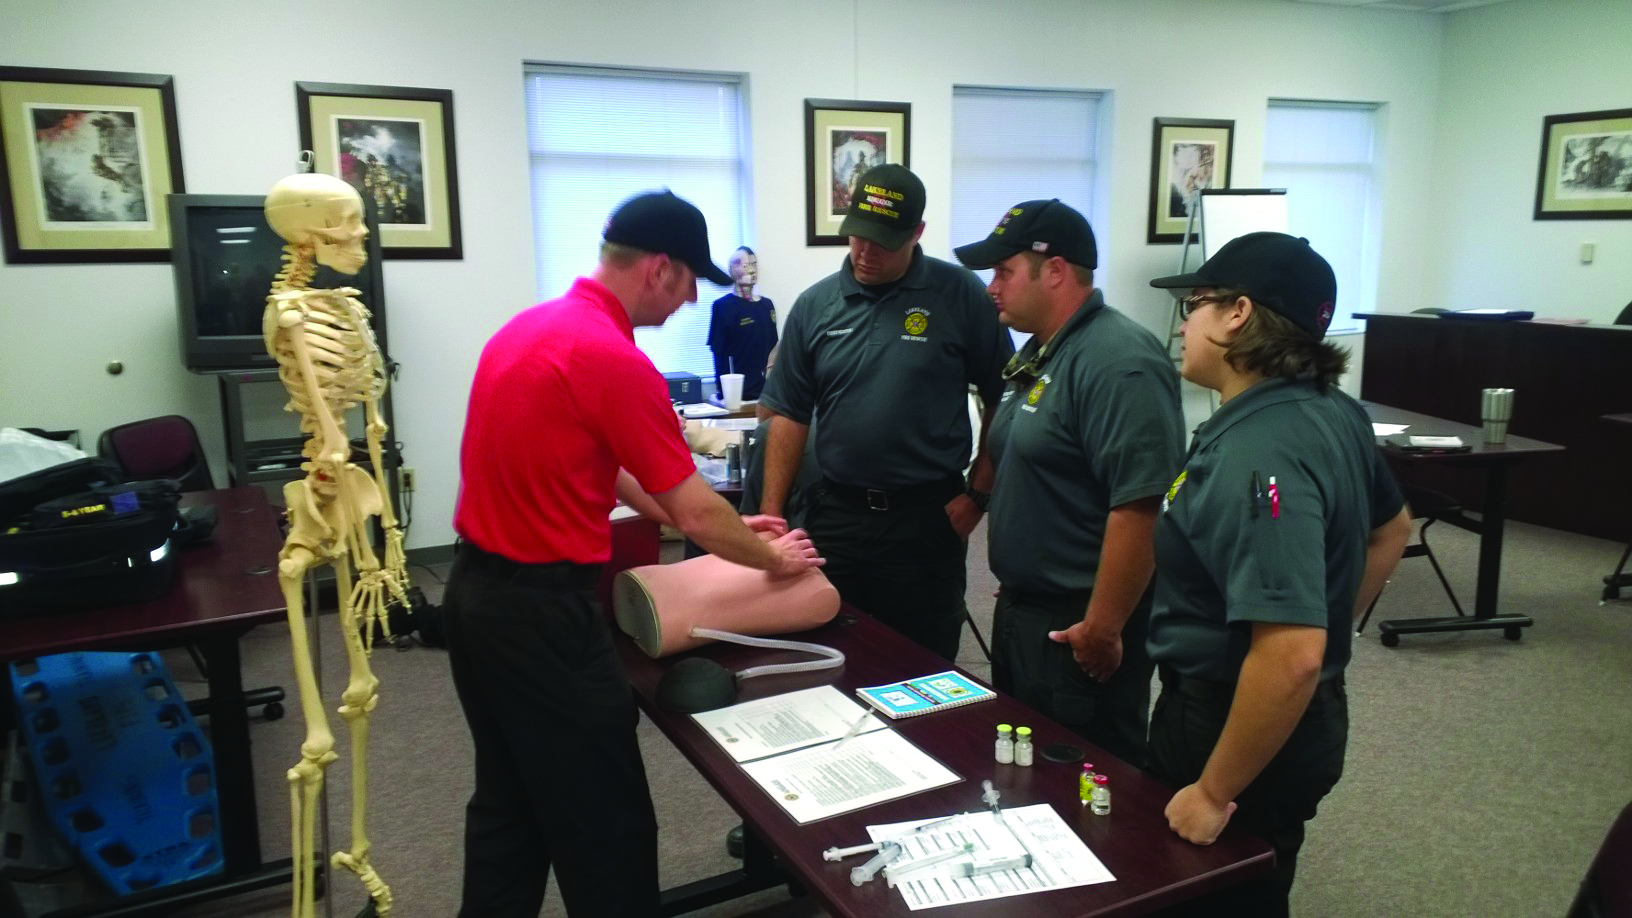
<point>1228,213</point>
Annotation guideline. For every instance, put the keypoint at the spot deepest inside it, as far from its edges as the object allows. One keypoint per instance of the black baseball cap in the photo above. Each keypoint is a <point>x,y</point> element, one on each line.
<point>1282,272</point>
<point>886,206</point>
<point>664,224</point>
<point>1048,228</point>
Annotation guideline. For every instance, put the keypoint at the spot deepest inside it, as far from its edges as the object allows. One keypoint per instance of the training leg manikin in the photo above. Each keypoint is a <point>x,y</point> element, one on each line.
<point>329,361</point>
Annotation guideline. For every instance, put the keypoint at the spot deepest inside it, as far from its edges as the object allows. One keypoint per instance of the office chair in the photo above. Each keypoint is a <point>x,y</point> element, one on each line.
<point>169,447</point>
<point>1607,888</point>
<point>1430,507</point>
<point>162,447</point>
<point>1625,318</point>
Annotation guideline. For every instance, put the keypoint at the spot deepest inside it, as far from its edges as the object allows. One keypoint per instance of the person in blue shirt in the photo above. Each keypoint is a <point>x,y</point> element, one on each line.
<point>743,329</point>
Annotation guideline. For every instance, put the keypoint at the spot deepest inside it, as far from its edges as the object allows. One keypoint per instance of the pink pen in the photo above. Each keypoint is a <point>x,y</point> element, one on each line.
<point>1274,499</point>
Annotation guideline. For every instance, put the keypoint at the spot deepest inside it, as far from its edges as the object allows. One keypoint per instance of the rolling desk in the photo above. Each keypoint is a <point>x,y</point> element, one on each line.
<point>1565,378</point>
<point>223,588</point>
<point>1153,866</point>
<point>1495,459</point>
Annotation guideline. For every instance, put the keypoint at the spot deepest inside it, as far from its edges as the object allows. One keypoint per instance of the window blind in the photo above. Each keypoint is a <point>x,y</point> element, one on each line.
<point>1323,154</point>
<point>597,137</point>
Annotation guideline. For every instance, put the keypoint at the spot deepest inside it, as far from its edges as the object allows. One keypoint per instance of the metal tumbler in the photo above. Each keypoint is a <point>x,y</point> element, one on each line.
<point>1496,410</point>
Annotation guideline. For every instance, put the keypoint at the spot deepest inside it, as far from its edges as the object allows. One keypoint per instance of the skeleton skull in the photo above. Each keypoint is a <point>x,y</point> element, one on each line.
<point>322,213</point>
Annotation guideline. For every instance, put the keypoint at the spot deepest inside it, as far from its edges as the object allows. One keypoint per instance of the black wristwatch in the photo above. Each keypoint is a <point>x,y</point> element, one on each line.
<point>981,498</point>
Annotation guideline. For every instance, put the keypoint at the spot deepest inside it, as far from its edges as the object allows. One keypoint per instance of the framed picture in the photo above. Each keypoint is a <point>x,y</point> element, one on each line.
<point>1586,166</point>
<point>395,146</point>
<point>843,139</point>
<point>1187,155</point>
<point>88,157</point>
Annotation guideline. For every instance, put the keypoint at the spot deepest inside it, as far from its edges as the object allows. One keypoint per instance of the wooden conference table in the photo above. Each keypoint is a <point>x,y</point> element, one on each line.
<point>1495,459</point>
<point>223,587</point>
<point>1153,867</point>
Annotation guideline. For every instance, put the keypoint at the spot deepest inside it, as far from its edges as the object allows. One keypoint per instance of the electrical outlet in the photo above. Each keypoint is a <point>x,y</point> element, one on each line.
<point>406,476</point>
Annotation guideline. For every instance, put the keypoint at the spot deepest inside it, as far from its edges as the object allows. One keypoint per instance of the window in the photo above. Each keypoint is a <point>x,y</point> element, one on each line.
<point>1323,154</point>
<point>597,136</point>
<point>1013,145</point>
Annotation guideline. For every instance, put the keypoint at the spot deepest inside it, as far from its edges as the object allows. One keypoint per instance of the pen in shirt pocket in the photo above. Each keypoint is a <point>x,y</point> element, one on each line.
<point>1256,497</point>
<point>1274,499</point>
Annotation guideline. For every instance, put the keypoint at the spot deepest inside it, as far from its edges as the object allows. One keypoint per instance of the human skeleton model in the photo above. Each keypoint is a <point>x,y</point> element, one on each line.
<point>329,362</point>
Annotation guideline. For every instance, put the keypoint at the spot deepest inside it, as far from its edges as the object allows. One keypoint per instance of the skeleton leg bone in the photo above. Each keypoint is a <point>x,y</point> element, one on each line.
<point>306,777</point>
<point>357,702</point>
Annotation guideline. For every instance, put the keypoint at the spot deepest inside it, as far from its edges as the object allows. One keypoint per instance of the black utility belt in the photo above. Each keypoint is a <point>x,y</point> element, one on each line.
<point>569,574</point>
<point>932,494</point>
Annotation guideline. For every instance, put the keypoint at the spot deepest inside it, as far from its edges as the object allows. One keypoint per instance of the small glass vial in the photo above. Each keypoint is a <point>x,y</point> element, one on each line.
<point>1102,796</point>
<point>1085,783</point>
<point>1005,745</point>
<point>1022,746</point>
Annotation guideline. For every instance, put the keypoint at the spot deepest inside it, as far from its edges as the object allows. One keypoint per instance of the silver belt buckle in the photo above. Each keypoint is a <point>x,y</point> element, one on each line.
<point>878,500</point>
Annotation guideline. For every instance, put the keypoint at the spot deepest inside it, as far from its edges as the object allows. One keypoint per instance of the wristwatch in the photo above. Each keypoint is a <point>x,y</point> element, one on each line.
<point>981,498</point>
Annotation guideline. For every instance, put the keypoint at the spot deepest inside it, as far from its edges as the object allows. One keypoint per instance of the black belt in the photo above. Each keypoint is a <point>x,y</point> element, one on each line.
<point>934,493</point>
<point>1224,691</point>
<point>569,574</point>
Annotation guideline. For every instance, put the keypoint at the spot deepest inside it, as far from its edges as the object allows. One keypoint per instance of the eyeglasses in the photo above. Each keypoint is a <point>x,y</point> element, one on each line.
<point>1189,304</point>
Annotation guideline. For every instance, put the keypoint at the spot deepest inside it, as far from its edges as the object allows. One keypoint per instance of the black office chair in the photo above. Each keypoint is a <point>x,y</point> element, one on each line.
<point>169,447</point>
<point>1625,318</point>
<point>1430,507</point>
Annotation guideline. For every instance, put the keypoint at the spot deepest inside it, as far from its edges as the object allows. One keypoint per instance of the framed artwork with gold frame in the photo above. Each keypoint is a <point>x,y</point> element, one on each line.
<point>843,139</point>
<point>1186,156</point>
<point>394,144</point>
<point>86,160</point>
<point>1586,166</point>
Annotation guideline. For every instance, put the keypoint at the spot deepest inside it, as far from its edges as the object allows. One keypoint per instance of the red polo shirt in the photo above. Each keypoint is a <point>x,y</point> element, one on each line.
<point>562,398</point>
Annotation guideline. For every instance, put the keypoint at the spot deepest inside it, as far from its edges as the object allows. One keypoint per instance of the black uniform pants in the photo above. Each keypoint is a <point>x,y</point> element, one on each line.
<point>559,777</point>
<point>1042,673</point>
<point>1189,717</point>
<point>903,564</point>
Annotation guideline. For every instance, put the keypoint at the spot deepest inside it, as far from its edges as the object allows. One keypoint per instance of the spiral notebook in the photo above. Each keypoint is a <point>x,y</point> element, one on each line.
<point>925,694</point>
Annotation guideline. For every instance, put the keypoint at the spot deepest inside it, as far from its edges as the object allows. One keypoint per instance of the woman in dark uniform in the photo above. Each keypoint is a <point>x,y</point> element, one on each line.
<point>1281,528</point>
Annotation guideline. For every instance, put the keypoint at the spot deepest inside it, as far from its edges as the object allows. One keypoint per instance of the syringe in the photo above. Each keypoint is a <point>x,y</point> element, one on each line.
<point>888,852</point>
<point>892,873</point>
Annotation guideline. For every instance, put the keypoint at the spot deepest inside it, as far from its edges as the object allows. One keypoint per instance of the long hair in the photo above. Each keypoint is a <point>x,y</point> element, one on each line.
<point>1271,345</point>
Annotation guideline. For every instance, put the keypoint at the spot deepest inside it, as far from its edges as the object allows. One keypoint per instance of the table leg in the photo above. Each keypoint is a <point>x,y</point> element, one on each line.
<point>759,870</point>
<point>1491,530</point>
<point>234,772</point>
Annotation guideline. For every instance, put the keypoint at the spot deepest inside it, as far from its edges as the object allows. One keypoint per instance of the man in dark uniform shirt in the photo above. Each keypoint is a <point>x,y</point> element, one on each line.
<point>884,352</point>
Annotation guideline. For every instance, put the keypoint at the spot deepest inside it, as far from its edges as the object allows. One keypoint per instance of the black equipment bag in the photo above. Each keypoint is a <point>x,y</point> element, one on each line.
<point>77,536</point>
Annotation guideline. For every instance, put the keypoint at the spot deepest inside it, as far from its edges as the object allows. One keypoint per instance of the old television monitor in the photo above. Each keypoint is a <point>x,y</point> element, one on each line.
<point>225,257</point>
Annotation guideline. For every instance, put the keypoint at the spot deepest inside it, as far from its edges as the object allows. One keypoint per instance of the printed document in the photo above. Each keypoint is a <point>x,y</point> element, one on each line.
<point>783,723</point>
<point>1059,859</point>
<point>835,778</point>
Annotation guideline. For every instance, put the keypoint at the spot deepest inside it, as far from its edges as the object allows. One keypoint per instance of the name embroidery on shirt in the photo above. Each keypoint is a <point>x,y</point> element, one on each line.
<point>835,332</point>
<point>916,323</point>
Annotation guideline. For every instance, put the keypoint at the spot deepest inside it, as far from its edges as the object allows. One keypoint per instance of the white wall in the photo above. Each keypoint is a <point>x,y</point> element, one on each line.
<point>235,64</point>
<point>1506,67</point>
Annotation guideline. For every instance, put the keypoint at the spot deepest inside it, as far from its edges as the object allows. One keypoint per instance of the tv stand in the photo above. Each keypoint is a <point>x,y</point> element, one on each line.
<point>272,461</point>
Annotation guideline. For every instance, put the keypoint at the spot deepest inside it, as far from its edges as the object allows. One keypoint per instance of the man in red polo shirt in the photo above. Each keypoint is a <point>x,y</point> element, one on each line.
<point>565,414</point>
